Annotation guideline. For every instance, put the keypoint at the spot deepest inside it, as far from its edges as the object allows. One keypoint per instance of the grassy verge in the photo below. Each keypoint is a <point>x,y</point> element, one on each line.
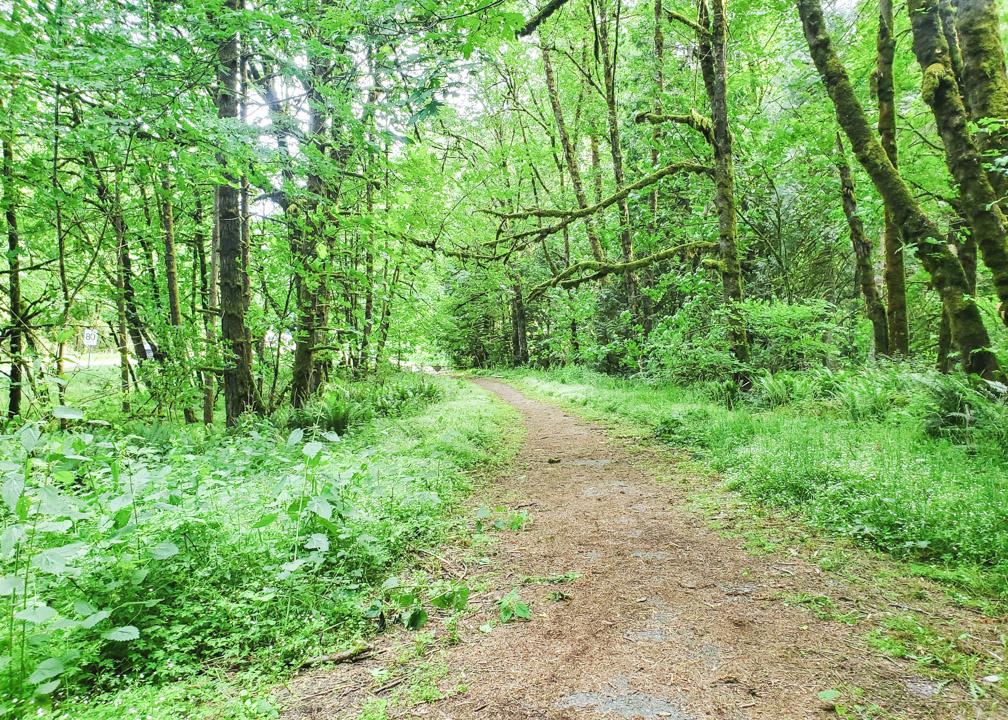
<point>882,458</point>
<point>183,573</point>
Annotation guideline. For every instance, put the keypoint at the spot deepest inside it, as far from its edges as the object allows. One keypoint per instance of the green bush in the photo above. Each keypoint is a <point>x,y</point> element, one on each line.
<point>111,539</point>
<point>909,462</point>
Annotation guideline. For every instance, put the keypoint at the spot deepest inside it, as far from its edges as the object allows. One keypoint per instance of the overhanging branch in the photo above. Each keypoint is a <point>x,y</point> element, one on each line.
<point>694,120</point>
<point>571,277</point>
<point>537,19</point>
<point>570,215</point>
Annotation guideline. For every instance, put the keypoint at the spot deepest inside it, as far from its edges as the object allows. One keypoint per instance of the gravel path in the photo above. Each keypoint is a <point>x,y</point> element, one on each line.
<point>664,617</point>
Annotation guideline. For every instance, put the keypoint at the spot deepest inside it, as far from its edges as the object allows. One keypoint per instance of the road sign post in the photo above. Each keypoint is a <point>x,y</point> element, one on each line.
<point>90,340</point>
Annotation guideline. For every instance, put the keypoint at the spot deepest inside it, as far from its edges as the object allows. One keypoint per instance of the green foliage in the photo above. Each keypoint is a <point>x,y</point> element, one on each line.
<point>111,539</point>
<point>889,456</point>
<point>512,607</point>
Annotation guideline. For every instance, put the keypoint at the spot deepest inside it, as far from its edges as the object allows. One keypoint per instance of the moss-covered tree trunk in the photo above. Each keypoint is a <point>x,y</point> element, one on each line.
<point>941,92</point>
<point>984,82</point>
<point>892,243</point>
<point>519,328</point>
<point>609,59</point>
<point>713,59</point>
<point>570,156</point>
<point>919,231</point>
<point>874,308</point>
<point>965,249</point>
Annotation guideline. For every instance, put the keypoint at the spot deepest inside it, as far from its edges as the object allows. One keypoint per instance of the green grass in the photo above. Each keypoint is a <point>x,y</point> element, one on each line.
<point>909,463</point>
<point>222,560</point>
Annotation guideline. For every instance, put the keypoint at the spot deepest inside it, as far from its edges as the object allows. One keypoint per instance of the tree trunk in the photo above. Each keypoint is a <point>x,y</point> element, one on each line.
<point>171,268</point>
<point>874,308</point>
<point>967,253</point>
<point>616,150</point>
<point>199,245</point>
<point>148,248</point>
<point>519,330</point>
<point>984,82</point>
<point>124,366</point>
<point>892,243</point>
<point>713,59</point>
<point>308,285</point>
<point>968,331</point>
<point>239,389</point>
<point>14,282</point>
<point>940,91</point>
<point>570,157</point>
<point>171,279</point>
<point>386,315</point>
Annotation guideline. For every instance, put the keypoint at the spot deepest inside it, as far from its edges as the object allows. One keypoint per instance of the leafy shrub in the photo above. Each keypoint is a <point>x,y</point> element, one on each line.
<point>686,427</point>
<point>956,408</point>
<point>110,541</point>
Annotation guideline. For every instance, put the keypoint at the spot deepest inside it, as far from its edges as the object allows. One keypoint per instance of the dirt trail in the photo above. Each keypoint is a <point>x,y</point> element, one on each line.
<point>669,619</point>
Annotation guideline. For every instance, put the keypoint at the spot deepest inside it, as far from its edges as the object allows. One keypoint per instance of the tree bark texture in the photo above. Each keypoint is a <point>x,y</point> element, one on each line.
<point>609,59</point>
<point>14,280</point>
<point>984,81</point>
<point>892,243</point>
<point>940,91</point>
<point>713,58</point>
<point>570,157</point>
<point>968,331</point>
<point>874,308</point>
<point>239,389</point>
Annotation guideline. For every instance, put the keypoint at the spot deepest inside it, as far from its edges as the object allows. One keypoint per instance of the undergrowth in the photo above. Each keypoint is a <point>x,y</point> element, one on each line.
<point>912,463</point>
<point>140,560</point>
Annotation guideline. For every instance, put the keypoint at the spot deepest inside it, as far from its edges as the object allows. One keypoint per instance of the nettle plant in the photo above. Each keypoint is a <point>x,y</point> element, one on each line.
<point>110,541</point>
<point>76,548</point>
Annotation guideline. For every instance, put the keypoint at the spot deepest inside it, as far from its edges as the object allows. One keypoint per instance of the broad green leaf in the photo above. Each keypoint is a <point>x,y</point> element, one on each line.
<point>46,670</point>
<point>312,449</point>
<point>62,412</point>
<point>829,696</point>
<point>46,688</point>
<point>319,542</point>
<point>30,438</point>
<point>295,437</point>
<point>94,619</point>
<point>36,614</point>
<point>12,489</point>
<point>122,634</point>
<point>163,550</point>
<point>265,520</point>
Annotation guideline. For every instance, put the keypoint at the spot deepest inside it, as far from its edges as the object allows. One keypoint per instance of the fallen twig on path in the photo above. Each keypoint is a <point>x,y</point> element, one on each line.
<point>353,653</point>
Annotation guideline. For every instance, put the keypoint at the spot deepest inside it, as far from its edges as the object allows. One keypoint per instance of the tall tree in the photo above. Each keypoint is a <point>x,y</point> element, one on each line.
<point>892,243</point>
<point>985,83</point>
<point>16,328</point>
<point>713,59</point>
<point>940,90</point>
<point>967,328</point>
<point>239,389</point>
<point>876,310</point>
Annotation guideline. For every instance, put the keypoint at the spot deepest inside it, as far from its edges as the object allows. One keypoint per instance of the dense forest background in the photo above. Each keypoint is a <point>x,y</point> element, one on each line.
<point>258,200</point>
<point>232,214</point>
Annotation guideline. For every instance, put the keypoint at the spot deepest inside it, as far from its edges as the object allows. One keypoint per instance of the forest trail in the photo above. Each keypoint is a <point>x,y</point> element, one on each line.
<point>668,619</point>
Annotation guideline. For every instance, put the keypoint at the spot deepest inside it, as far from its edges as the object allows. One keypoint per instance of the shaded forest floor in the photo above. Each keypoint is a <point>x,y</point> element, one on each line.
<point>653,594</point>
